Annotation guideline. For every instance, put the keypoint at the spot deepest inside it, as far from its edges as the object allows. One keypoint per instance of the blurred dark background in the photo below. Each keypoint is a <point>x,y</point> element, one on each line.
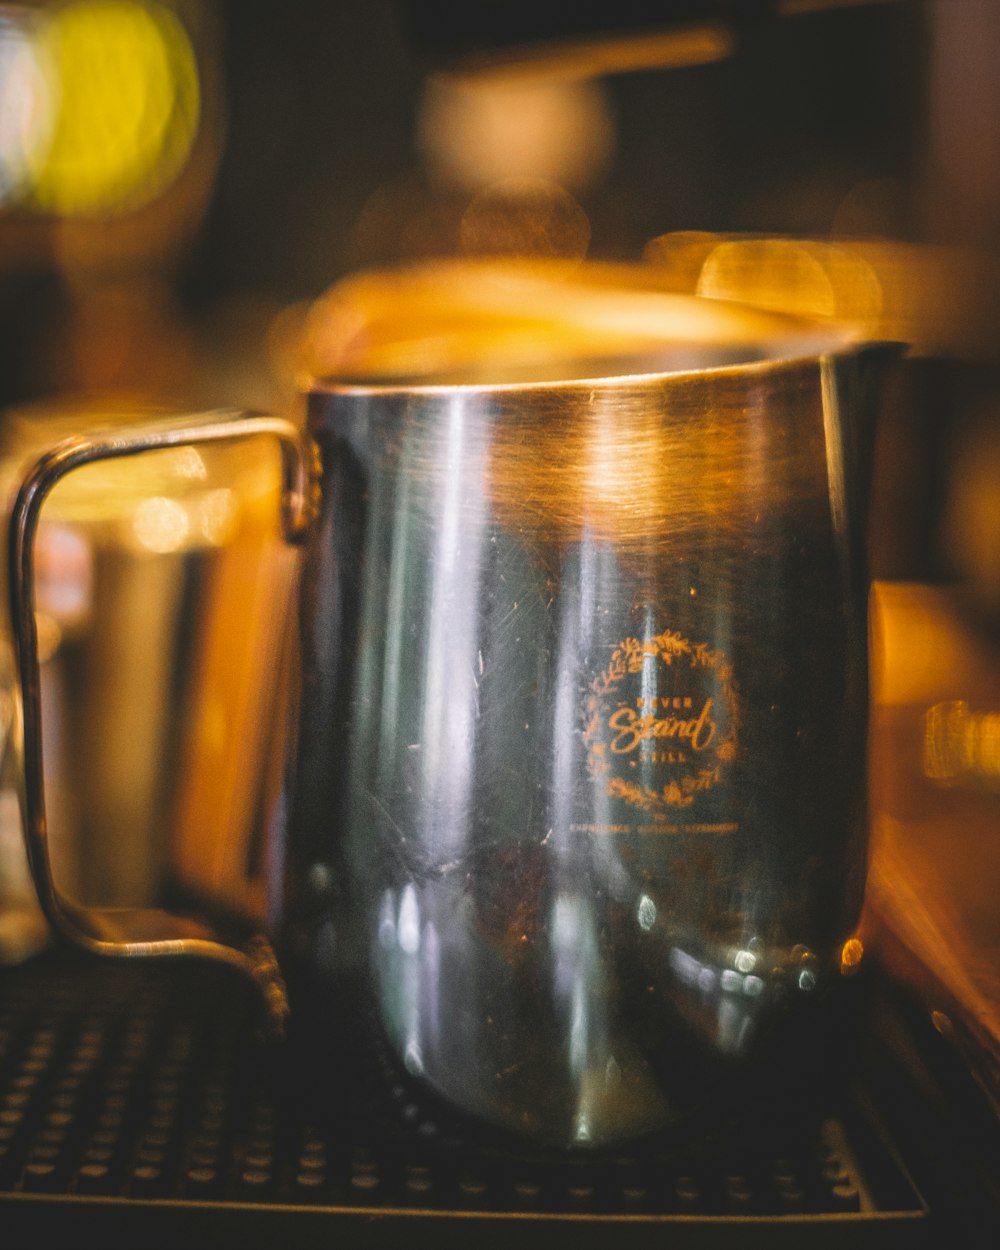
<point>813,123</point>
<point>320,139</point>
<point>325,108</point>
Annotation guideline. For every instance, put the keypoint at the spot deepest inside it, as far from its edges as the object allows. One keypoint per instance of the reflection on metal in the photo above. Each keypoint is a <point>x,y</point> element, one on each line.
<point>735,998</point>
<point>408,928</point>
<point>387,922</point>
<point>483,555</point>
<point>745,961</point>
<point>451,700</point>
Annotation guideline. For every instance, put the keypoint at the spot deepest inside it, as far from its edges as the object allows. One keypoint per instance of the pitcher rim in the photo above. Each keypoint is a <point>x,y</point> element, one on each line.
<point>813,347</point>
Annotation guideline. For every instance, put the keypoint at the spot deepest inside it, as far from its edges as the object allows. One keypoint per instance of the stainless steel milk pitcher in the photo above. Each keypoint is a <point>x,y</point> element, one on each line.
<point>577,789</point>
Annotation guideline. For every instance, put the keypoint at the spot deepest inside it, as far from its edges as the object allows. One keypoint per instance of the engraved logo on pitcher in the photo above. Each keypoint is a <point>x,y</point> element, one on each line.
<point>662,722</point>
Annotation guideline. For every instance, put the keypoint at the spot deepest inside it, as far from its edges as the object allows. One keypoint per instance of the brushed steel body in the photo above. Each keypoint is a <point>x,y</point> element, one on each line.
<point>577,790</point>
<point>582,751</point>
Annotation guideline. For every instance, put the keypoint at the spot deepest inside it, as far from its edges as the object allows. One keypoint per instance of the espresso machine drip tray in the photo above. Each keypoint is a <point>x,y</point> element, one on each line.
<point>137,1107</point>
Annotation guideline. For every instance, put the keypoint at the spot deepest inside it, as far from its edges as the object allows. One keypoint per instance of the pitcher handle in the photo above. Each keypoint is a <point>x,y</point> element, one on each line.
<point>131,932</point>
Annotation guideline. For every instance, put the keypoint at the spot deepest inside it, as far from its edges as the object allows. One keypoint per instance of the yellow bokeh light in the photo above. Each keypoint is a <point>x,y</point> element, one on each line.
<point>217,515</point>
<point>786,275</point>
<point>125,83</point>
<point>161,524</point>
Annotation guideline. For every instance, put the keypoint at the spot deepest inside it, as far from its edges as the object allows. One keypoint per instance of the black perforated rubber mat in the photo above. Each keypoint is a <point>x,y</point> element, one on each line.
<point>136,1101</point>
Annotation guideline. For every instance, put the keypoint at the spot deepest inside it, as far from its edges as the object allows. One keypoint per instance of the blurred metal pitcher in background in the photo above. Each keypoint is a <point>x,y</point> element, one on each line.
<point>577,793</point>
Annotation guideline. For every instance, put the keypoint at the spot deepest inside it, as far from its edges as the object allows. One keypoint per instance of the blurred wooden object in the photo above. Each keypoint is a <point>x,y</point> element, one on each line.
<point>229,775</point>
<point>934,883</point>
